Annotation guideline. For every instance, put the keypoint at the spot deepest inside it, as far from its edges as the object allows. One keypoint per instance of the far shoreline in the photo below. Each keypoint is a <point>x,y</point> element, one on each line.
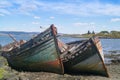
<point>87,37</point>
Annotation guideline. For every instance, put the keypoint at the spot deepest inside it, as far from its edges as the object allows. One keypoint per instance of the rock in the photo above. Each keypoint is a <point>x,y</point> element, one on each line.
<point>12,78</point>
<point>115,61</point>
<point>23,78</point>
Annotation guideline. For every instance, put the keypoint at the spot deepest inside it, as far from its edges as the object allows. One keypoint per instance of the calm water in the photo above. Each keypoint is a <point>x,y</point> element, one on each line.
<point>107,44</point>
<point>6,39</point>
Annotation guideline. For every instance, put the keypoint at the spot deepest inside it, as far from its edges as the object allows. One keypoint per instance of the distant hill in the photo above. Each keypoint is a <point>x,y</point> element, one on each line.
<point>102,34</point>
<point>5,33</point>
<point>17,33</point>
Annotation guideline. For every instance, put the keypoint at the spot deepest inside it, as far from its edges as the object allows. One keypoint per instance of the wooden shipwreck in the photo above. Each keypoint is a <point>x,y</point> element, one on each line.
<point>85,57</point>
<point>38,54</point>
<point>47,53</point>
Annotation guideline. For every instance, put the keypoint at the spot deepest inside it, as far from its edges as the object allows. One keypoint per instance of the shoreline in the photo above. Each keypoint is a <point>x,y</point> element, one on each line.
<point>88,37</point>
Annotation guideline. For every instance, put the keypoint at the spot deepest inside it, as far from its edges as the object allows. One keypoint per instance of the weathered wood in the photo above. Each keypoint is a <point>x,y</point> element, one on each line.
<point>13,38</point>
<point>38,54</point>
<point>86,57</point>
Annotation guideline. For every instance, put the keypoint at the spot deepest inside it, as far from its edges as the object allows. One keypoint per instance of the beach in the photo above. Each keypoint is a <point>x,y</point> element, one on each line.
<point>7,73</point>
<point>111,53</point>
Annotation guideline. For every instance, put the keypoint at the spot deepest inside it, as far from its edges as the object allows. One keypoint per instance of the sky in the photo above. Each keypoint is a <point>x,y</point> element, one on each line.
<point>69,16</point>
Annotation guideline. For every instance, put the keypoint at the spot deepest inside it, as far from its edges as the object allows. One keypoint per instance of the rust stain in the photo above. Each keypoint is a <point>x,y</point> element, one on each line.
<point>54,29</point>
<point>98,44</point>
<point>55,63</point>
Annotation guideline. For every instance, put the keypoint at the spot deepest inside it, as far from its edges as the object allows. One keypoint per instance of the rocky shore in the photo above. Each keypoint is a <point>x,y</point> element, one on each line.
<point>6,73</point>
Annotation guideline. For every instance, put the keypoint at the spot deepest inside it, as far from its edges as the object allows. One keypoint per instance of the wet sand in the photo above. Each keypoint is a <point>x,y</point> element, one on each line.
<point>6,73</point>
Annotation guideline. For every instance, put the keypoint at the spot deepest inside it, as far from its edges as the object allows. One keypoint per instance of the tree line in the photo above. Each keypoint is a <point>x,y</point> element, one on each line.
<point>103,34</point>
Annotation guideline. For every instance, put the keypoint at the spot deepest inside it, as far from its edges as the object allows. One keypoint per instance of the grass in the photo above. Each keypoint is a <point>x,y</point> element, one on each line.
<point>3,64</point>
<point>102,34</point>
<point>2,73</point>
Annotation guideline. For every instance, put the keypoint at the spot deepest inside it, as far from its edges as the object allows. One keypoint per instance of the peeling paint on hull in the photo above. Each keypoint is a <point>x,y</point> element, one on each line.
<point>38,54</point>
<point>89,59</point>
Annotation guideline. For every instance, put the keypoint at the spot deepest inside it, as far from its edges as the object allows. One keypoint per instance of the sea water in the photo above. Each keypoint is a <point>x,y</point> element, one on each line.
<point>108,45</point>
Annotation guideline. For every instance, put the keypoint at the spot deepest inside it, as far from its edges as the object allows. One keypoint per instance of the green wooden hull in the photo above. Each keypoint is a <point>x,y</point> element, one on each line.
<point>86,58</point>
<point>41,56</point>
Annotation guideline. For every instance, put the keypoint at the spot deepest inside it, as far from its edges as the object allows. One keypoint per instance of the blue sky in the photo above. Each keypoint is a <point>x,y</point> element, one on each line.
<point>69,16</point>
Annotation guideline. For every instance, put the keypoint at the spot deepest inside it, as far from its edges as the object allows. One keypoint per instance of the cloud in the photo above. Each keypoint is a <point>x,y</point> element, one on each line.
<point>5,4</point>
<point>80,8</point>
<point>89,9</point>
<point>25,7</point>
<point>35,23</point>
<point>115,20</point>
<point>36,17</point>
<point>2,15</point>
<point>5,11</point>
<point>5,7</point>
<point>52,17</point>
<point>79,24</point>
